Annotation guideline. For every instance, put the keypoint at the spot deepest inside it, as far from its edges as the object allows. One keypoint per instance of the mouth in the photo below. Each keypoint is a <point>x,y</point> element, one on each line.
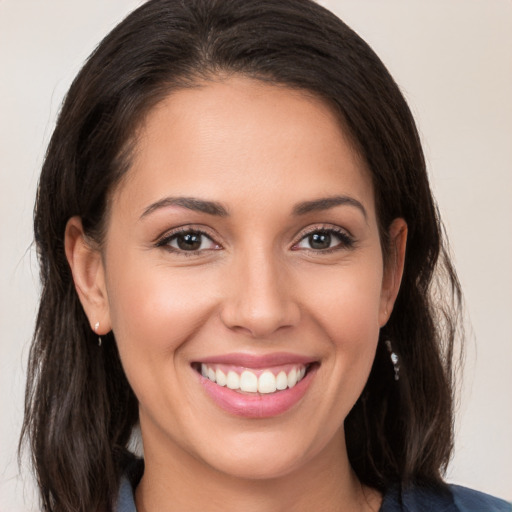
<point>256,387</point>
<point>247,380</point>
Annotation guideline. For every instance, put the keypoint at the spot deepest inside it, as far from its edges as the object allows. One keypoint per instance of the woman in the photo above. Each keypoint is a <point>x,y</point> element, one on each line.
<point>238,244</point>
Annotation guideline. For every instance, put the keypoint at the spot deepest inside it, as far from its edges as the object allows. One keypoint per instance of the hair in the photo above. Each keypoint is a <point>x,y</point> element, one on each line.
<point>80,410</point>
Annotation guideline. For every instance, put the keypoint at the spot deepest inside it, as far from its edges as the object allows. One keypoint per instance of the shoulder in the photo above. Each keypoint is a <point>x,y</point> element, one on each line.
<point>441,498</point>
<point>469,500</point>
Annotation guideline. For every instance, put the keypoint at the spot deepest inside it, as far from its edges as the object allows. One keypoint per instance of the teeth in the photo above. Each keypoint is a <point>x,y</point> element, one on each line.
<point>292,378</point>
<point>281,381</point>
<point>267,383</point>
<point>249,382</point>
<point>220,377</point>
<point>233,380</point>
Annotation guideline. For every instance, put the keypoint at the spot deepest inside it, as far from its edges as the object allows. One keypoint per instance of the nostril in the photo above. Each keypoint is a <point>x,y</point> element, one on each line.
<point>260,322</point>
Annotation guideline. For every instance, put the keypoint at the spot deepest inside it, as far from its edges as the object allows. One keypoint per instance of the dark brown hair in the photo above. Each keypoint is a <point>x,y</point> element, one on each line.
<point>80,410</point>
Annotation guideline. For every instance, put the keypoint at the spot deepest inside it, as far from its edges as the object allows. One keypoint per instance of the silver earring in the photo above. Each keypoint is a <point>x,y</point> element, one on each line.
<point>394,359</point>
<point>96,327</point>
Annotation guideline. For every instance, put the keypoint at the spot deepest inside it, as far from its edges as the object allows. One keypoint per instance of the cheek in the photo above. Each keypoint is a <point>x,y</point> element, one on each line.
<point>345,305</point>
<point>155,309</point>
<point>347,299</point>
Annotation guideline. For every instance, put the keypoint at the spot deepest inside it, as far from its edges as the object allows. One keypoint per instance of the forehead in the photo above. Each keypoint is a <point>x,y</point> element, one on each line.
<point>242,139</point>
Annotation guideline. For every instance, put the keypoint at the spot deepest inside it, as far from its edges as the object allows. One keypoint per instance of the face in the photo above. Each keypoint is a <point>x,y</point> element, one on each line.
<point>243,278</point>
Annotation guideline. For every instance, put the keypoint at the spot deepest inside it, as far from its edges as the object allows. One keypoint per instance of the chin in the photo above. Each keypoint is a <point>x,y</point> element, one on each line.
<point>264,455</point>
<point>260,466</point>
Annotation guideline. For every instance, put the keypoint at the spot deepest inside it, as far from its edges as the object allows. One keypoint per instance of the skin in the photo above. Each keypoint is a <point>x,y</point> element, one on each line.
<point>256,286</point>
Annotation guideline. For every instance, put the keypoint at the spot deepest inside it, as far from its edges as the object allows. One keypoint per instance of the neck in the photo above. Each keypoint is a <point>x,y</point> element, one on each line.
<point>175,481</point>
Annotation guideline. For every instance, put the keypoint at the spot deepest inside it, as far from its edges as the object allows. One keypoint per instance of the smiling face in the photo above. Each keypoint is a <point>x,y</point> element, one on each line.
<point>242,250</point>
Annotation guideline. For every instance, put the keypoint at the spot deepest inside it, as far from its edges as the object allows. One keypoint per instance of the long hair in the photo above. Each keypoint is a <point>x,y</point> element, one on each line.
<point>80,410</point>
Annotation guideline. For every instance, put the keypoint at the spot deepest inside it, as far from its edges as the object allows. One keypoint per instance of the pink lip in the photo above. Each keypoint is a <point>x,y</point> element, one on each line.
<point>258,361</point>
<point>255,405</point>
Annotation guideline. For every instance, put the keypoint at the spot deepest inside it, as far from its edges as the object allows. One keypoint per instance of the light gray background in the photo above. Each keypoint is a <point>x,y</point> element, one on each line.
<point>453,61</point>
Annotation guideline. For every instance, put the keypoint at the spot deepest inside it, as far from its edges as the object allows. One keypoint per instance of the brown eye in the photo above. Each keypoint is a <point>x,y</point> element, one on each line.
<point>319,240</point>
<point>325,240</point>
<point>188,241</point>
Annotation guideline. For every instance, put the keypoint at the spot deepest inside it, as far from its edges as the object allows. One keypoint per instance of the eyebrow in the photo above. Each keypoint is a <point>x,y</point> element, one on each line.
<point>190,203</point>
<point>326,203</point>
<point>215,208</point>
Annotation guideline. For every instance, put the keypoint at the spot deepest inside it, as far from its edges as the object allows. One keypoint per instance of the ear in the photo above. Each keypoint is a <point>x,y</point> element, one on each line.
<point>88,275</point>
<point>393,268</point>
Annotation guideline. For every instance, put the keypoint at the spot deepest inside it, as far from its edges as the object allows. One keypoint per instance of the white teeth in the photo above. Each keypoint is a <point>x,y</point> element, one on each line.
<point>249,382</point>
<point>233,380</point>
<point>220,377</point>
<point>267,382</point>
<point>292,378</point>
<point>281,381</point>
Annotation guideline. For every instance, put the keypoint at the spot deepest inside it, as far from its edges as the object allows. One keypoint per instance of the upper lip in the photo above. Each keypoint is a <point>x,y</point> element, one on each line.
<point>257,360</point>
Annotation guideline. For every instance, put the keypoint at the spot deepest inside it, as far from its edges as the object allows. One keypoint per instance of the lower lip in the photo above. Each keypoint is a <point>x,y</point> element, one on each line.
<point>257,405</point>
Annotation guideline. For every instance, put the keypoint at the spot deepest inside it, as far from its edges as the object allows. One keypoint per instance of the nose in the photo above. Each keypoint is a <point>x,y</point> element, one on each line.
<point>259,299</point>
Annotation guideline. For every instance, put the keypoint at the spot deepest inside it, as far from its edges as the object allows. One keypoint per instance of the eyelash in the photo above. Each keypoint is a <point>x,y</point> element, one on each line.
<point>169,237</point>
<point>346,240</point>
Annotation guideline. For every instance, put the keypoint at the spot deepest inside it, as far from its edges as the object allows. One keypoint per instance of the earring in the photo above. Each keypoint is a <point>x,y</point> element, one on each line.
<point>96,327</point>
<point>394,359</point>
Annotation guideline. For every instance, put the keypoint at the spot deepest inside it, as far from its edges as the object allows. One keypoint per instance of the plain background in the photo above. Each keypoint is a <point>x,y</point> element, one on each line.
<point>453,61</point>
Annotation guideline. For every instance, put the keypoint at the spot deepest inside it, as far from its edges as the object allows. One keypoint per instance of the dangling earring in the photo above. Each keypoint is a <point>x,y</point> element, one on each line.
<point>394,359</point>
<point>96,327</point>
